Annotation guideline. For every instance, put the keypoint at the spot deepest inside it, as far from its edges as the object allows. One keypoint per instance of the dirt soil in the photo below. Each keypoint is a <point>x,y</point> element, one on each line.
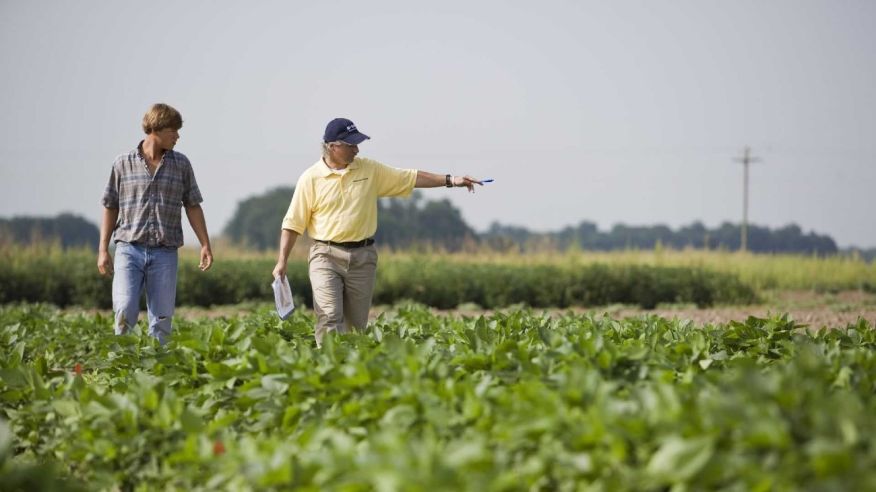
<point>810,308</point>
<point>816,310</point>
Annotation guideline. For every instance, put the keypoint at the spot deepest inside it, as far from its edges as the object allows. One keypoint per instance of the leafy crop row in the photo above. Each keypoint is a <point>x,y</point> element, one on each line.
<point>514,401</point>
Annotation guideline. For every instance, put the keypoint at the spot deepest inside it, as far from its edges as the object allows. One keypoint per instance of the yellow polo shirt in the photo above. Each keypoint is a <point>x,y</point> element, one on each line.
<point>341,206</point>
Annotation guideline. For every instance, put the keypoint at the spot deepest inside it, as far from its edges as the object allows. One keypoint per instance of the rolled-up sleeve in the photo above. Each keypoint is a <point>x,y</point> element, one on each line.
<point>300,209</point>
<point>111,192</point>
<point>394,182</point>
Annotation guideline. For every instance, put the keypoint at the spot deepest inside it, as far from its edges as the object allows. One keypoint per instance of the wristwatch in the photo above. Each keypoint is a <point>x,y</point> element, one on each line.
<point>448,181</point>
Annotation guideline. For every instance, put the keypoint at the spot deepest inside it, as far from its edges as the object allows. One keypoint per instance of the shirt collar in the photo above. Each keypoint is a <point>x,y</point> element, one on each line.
<point>324,171</point>
<point>141,155</point>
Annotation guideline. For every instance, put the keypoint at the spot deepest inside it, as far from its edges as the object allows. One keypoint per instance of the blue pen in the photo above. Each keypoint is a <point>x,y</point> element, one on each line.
<point>487,180</point>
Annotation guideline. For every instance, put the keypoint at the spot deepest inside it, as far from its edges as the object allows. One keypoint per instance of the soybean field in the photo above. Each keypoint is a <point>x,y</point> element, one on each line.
<point>514,400</point>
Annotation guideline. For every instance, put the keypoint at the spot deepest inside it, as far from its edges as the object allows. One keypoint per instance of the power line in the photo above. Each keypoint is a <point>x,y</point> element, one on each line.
<point>746,159</point>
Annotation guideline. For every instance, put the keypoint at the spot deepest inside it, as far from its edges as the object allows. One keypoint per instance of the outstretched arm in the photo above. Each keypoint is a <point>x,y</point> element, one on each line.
<point>432,180</point>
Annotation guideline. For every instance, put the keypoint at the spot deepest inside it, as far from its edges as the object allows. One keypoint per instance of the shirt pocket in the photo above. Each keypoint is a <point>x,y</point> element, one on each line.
<point>359,190</point>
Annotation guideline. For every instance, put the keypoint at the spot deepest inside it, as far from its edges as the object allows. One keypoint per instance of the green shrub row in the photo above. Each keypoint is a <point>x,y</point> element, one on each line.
<point>72,279</point>
<point>447,285</point>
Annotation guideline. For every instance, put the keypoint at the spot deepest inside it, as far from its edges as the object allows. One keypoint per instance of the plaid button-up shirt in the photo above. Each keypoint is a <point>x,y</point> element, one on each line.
<point>150,206</point>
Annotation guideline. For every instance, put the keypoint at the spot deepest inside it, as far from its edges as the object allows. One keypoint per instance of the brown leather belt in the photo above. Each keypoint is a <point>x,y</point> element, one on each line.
<point>349,244</point>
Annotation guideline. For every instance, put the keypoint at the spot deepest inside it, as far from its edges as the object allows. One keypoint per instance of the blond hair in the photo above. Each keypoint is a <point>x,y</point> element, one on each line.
<point>161,116</point>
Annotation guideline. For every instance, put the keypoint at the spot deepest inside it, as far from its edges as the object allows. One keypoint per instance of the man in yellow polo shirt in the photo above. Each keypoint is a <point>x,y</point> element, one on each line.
<point>335,202</point>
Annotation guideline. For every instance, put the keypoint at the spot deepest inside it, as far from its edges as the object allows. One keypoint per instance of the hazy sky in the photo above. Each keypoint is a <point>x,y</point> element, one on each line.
<point>608,111</point>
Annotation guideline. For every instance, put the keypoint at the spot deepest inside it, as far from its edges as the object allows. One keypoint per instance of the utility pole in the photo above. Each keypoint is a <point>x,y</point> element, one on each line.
<point>746,159</point>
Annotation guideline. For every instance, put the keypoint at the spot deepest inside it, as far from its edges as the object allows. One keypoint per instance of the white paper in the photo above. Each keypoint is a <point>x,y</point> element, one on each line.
<point>283,297</point>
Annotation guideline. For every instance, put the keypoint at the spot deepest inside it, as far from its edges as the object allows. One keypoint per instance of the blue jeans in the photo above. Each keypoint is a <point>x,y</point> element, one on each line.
<point>137,266</point>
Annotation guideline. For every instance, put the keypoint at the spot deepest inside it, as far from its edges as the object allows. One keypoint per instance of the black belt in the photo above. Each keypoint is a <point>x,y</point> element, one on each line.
<point>348,244</point>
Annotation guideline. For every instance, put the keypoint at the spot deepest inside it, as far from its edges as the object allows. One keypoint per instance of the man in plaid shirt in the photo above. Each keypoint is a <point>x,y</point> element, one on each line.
<point>147,189</point>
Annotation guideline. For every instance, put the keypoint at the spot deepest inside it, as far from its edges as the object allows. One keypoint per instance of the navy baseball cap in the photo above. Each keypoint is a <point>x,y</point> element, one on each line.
<point>344,130</point>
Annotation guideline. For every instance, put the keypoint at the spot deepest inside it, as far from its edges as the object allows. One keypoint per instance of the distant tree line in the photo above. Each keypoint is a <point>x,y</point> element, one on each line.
<point>417,223</point>
<point>407,223</point>
<point>67,230</point>
<point>787,239</point>
<point>414,222</point>
<point>256,222</point>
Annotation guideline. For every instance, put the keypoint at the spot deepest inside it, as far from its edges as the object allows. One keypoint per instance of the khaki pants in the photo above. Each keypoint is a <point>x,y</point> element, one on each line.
<point>342,281</point>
